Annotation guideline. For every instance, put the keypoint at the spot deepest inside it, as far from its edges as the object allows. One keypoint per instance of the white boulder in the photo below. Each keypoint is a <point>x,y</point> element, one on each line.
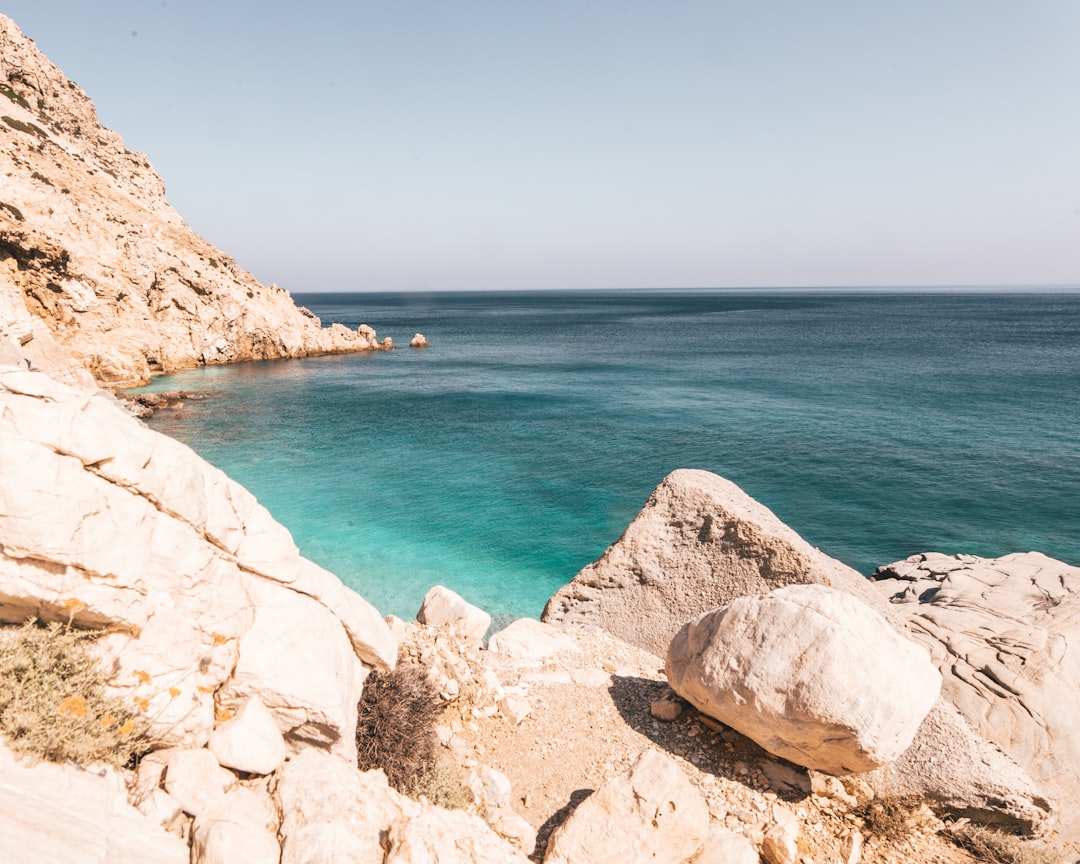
<point>250,741</point>
<point>650,813</point>
<point>442,606</point>
<point>810,673</point>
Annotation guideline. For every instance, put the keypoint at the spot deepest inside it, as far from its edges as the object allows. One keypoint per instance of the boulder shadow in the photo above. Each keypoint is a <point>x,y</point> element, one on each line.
<point>708,744</point>
<point>555,820</point>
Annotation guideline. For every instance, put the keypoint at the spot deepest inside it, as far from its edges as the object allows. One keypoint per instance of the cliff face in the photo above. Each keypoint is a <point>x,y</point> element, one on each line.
<point>88,240</point>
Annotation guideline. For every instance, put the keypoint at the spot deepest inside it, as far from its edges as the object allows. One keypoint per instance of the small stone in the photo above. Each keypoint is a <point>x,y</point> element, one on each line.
<point>666,710</point>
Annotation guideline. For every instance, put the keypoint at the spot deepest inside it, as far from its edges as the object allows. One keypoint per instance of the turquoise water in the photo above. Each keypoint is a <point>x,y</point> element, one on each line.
<point>514,450</point>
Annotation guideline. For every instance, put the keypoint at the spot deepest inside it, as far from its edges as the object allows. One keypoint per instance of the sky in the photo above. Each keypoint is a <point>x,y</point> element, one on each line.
<point>474,144</point>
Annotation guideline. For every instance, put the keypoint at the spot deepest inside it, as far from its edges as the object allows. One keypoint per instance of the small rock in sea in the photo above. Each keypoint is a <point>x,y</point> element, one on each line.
<point>418,341</point>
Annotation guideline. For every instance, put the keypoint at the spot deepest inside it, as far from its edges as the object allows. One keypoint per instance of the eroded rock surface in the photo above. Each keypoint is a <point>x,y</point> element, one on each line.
<point>697,544</point>
<point>649,813</point>
<point>90,246</point>
<point>810,673</point>
<point>1004,633</point>
<point>115,527</point>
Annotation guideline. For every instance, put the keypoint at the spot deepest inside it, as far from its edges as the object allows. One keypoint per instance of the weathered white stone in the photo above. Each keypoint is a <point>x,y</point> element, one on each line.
<point>724,846</point>
<point>418,341</point>
<point>495,788</point>
<point>810,673</point>
<point>514,708</point>
<point>1004,634</point>
<point>250,741</point>
<point>237,828</point>
<point>649,813</point>
<point>332,813</point>
<point>512,827</point>
<point>109,524</point>
<point>527,639</point>
<point>448,837</point>
<point>298,660</point>
<point>62,814</point>
<point>698,543</point>
<point>196,780</point>
<point>442,606</point>
<point>781,843</point>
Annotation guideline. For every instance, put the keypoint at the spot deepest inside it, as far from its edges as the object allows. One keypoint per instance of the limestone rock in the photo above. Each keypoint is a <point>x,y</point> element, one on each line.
<point>250,741</point>
<point>699,543</point>
<point>111,525</point>
<point>960,772</point>
<point>68,815</point>
<point>196,780</point>
<point>299,662</point>
<point>781,843</point>
<point>237,828</point>
<point>724,846</point>
<point>332,813</point>
<point>1004,633</point>
<point>418,341</point>
<point>448,837</point>
<point>649,813</point>
<point>442,606</point>
<point>529,640</point>
<point>114,274</point>
<point>810,673</point>
<point>511,827</point>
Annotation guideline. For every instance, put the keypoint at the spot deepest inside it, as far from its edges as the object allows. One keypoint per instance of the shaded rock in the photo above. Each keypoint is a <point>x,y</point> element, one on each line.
<point>810,673</point>
<point>251,741</point>
<point>649,813</point>
<point>1004,633</point>
<point>442,606</point>
<point>698,543</point>
<point>63,814</point>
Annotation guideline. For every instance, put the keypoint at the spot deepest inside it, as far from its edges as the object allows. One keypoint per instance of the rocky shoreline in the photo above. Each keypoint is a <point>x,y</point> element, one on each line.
<point>712,689</point>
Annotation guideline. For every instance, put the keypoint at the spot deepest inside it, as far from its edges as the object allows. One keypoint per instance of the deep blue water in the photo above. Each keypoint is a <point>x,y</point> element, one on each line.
<point>509,454</point>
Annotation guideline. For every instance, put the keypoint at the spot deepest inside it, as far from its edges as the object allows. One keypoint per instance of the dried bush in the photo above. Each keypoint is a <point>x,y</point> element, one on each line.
<point>52,699</point>
<point>395,727</point>
<point>887,817</point>
<point>993,847</point>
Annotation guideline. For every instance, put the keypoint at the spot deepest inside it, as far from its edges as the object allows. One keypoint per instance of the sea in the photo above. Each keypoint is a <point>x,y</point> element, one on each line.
<point>510,453</point>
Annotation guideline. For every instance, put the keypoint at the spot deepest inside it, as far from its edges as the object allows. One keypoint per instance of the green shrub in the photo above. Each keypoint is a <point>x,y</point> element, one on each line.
<point>396,727</point>
<point>28,128</point>
<point>52,700</point>
<point>5,89</point>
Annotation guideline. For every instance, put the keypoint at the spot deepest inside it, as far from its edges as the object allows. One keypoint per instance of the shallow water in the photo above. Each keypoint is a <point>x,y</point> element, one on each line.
<point>509,454</point>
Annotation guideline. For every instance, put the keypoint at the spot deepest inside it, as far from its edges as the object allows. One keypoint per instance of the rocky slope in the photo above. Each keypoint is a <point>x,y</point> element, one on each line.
<point>101,258</point>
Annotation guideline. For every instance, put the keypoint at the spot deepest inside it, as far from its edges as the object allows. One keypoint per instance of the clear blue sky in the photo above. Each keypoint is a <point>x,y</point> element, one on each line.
<point>406,145</point>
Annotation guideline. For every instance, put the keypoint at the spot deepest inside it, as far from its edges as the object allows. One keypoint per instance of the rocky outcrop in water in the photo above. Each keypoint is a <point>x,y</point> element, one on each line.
<point>91,248</point>
<point>697,544</point>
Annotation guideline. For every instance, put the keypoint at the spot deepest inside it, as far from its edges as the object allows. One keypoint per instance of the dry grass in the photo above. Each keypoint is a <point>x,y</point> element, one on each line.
<point>52,700</point>
<point>396,726</point>
<point>993,847</point>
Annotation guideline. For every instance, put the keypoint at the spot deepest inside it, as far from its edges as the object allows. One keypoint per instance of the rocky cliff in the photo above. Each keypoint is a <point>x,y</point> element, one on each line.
<point>90,246</point>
